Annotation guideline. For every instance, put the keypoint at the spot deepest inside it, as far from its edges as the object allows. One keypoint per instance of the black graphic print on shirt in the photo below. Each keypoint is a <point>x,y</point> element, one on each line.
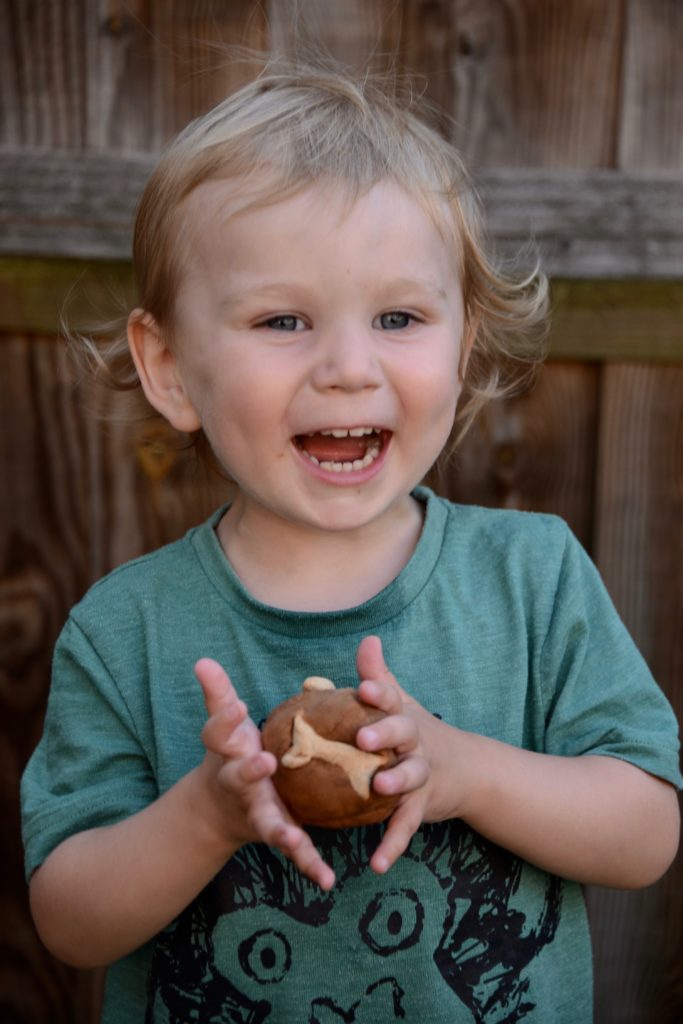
<point>263,944</point>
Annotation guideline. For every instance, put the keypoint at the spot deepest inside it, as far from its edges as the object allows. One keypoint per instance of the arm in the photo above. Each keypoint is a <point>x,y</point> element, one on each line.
<point>104,892</point>
<point>593,819</point>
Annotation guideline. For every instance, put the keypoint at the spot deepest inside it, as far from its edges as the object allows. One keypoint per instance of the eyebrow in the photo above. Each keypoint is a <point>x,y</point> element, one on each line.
<point>407,284</point>
<point>275,288</point>
<point>280,288</point>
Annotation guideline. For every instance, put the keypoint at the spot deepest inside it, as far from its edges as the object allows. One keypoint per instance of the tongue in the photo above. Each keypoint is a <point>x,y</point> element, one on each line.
<point>334,449</point>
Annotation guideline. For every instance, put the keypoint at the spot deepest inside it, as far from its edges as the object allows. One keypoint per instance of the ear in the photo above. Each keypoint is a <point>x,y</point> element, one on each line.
<point>159,374</point>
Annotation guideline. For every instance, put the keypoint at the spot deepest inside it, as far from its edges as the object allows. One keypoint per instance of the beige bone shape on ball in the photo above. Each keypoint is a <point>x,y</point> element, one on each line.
<point>359,765</point>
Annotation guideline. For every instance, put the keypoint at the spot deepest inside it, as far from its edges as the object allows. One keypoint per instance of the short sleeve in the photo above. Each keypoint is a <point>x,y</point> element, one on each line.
<point>600,695</point>
<point>90,767</point>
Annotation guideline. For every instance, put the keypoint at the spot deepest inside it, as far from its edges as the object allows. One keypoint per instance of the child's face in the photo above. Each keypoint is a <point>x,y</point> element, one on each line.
<point>311,318</point>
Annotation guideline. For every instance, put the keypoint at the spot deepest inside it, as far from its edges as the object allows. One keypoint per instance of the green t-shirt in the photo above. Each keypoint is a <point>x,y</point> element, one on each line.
<point>500,625</point>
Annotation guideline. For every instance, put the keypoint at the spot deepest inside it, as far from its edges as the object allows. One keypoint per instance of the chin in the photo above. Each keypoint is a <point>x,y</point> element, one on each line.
<point>351,513</point>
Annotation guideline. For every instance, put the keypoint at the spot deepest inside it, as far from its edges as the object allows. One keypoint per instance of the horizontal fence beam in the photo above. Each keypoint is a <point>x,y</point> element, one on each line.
<point>589,224</point>
<point>618,321</point>
<point>591,320</point>
<point>583,224</point>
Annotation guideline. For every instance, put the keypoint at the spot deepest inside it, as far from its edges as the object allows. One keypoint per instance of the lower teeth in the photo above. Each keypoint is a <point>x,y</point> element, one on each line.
<point>346,467</point>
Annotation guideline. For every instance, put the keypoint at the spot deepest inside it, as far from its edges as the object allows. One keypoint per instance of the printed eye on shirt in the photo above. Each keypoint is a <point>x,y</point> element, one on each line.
<point>451,935</point>
<point>499,623</point>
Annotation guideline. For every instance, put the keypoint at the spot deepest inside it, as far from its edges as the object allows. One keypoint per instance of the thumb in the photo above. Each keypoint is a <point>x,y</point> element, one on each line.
<point>215,683</point>
<point>370,662</point>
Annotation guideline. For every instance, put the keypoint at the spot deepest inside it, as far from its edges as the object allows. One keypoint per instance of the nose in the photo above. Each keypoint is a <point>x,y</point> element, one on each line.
<point>346,359</point>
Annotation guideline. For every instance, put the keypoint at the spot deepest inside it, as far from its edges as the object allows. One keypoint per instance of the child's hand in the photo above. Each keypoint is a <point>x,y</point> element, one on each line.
<point>420,738</point>
<point>238,770</point>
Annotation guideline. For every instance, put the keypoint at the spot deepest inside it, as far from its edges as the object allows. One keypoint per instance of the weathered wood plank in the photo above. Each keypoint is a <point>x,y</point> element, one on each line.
<point>594,321</point>
<point>651,122</point>
<point>536,83</point>
<point>36,293</point>
<point>617,320</point>
<point>589,224</point>
<point>43,569</point>
<point>534,452</point>
<point>639,550</point>
<point>603,224</point>
<point>419,39</point>
<point>43,83</point>
<point>78,497</point>
<point>639,542</point>
<point>63,203</point>
<point>352,31</point>
<point>638,937</point>
<point>108,74</point>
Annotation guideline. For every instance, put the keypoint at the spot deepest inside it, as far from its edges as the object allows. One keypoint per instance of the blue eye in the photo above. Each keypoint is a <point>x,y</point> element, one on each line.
<point>396,320</point>
<point>284,322</point>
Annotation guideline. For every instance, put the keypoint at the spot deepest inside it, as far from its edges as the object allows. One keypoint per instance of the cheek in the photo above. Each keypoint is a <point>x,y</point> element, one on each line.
<point>437,382</point>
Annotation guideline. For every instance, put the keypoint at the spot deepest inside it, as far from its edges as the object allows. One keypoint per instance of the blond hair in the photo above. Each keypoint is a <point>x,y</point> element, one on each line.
<point>297,125</point>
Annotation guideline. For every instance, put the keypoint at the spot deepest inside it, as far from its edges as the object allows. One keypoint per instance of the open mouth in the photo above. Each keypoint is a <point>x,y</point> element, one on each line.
<point>343,449</point>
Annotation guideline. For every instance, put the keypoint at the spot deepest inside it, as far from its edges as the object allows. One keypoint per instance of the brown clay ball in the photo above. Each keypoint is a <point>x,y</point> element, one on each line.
<point>322,777</point>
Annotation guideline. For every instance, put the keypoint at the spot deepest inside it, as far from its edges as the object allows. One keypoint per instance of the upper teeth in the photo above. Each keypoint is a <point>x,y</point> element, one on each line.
<point>353,432</point>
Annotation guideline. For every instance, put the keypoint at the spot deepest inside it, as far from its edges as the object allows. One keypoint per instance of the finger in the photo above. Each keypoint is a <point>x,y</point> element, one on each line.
<point>215,683</point>
<point>386,696</point>
<point>293,842</point>
<point>241,774</point>
<point>402,826</point>
<point>405,777</point>
<point>311,864</point>
<point>219,730</point>
<point>370,662</point>
<point>397,732</point>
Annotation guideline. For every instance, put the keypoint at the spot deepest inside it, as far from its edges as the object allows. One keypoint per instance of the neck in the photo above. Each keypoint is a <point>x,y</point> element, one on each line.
<point>286,565</point>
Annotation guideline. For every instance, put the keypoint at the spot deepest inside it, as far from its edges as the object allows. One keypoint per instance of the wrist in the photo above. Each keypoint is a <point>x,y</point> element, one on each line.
<point>460,774</point>
<point>207,814</point>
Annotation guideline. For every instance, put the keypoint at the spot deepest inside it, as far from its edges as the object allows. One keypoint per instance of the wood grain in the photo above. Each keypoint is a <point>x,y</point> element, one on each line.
<point>608,320</point>
<point>651,117</point>
<point>639,550</point>
<point>582,224</point>
<point>593,321</point>
<point>118,74</point>
<point>587,224</point>
<point>537,83</point>
<point>79,497</point>
<point>639,526</point>
<point>43,570</point>
<point>43,85</point>
<point>534,452</point>
<point>640,508</point>
<point>353,32</point>
<point>420,36</point>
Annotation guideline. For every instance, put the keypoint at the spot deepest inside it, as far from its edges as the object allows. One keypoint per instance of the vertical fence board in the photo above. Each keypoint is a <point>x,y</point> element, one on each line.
<point>651,135</point>
<point>79,497</point>
<point>104,74</point>
<point>42,73</point>
<point>534,452</point>
<point>639,550</point>
<point>638,937</point>
<point>352,31</point>
<point>43,570</point>
<point>537,83</point>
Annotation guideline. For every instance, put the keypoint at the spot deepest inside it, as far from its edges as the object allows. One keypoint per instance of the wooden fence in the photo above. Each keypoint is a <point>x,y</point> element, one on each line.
<point>570,113</point>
